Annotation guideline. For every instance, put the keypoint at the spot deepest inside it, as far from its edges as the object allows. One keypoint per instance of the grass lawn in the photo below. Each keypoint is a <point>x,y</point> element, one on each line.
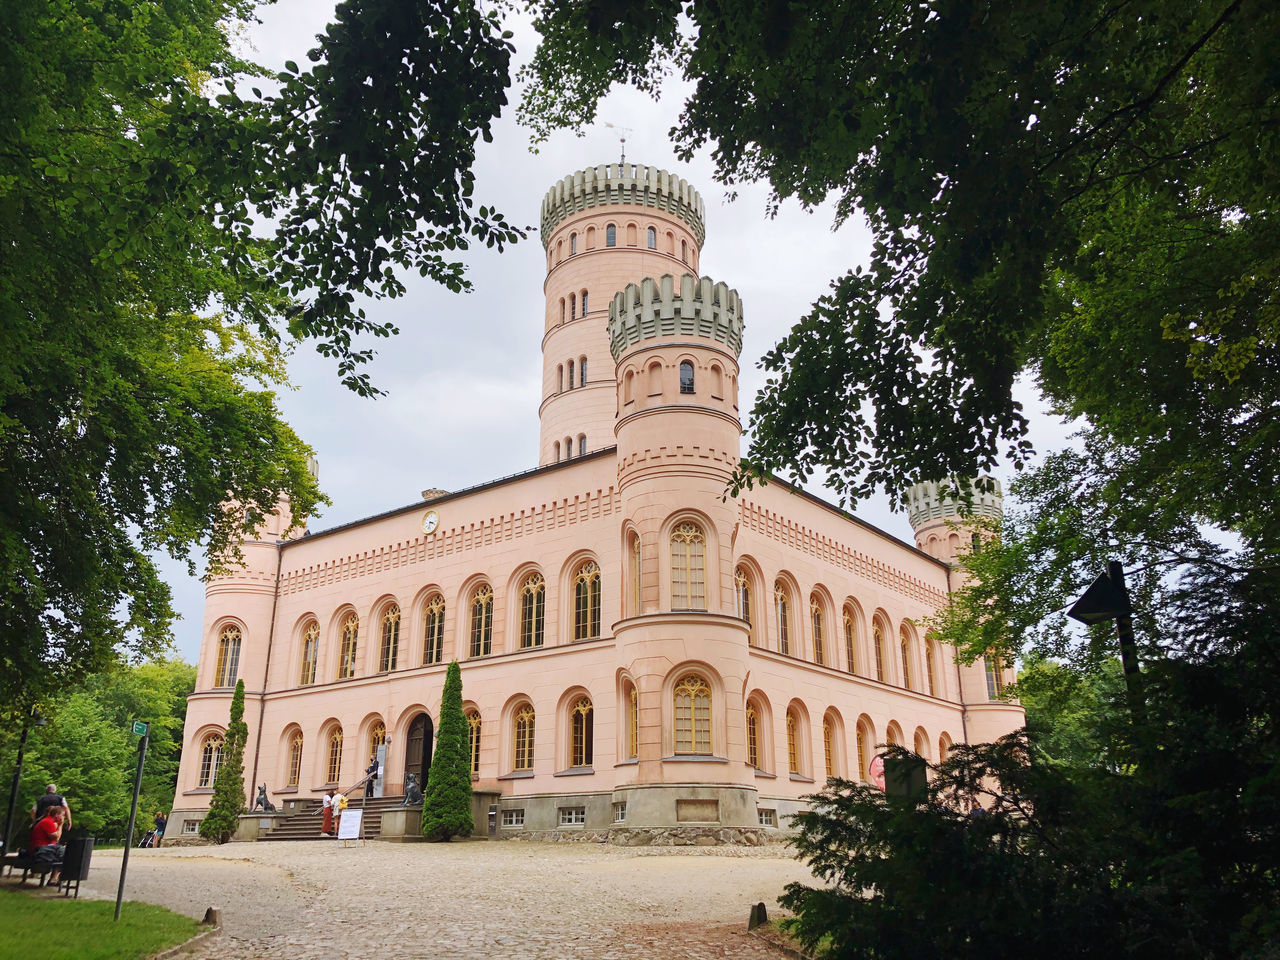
<point>40,925</point>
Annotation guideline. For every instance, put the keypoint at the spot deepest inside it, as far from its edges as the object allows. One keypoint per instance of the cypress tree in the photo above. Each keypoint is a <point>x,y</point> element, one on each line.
<point>220,822</point>
<point>446,803</point>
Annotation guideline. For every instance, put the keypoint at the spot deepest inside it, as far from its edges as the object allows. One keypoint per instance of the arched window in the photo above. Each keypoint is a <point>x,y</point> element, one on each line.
<point>877,637</point>
<point>533,608</point>
<point>631,234</point>
<point>433,641</point>
<point>573,315</point>
<point>334,767</point>
<point>905,647</point>
<point>717,382</point>
<point>584,303</point>
<point>634,577</point>
<point>473,741</point>
<point>611,236</point>
<point>688,568</point>
<point>580,734</point>
<point>671,243</point>
<point>828,747</point>
<point>782,611</point>
<point>377,737</point>
<point>390,639</point>
<point>633,724</point>
<point>863,761</point>
<point>652,239</point>
<point>753,736</point>
<point>562,310</point>
<point>582,444</point>
<point>930,667</point>
<point>295,759</point>
<point>350,635</point>
<point>559,250</point>
<point>568,448</point>
<point>629,387</point>
<point>482,621</point>
<point>921,744</point>
<point>582,361</point>
<point>819,636</point>
<point>228,656</point>
<point>684,251</point>
<point>557,451</point>
<point>573,244</point>
<point>586,601</point>
<point>692,701</point>
<point>850,644</point>
<point>570,374</point>
<point>995,679</point>
<point>742,601</point>
<point>793,744</point>
<point>686,376</point>
<point>310,649</point>
<point>210,757</point>
<point>524,738</point>
<point>944,747</point>
<point>655,379</point>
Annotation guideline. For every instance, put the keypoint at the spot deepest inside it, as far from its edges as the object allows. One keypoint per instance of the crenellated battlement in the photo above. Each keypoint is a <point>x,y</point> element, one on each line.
<point>655,308</point>
<point>932,500</point>
<point>623,183</point>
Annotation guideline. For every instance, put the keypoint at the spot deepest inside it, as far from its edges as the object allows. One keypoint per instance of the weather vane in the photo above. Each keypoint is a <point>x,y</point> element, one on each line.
<point>622,137</point>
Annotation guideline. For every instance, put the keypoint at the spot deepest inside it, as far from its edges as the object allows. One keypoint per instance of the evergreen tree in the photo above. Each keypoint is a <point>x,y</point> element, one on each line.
<point>446,803</point>
<point>228,784</point>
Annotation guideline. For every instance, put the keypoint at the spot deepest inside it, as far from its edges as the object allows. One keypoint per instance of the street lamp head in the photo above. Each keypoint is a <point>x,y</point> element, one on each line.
<point>1104,600</point>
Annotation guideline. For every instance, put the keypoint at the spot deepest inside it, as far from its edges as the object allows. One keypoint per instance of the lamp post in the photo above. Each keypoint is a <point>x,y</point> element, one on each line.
<point>33,719</point>
<point>1108,599</point>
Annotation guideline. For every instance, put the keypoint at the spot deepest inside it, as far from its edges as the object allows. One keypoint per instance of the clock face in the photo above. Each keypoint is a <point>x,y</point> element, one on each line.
<point>430,522</point>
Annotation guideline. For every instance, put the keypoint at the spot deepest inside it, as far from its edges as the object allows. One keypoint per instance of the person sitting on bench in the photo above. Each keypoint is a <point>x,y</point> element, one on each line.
<point>45,837</point>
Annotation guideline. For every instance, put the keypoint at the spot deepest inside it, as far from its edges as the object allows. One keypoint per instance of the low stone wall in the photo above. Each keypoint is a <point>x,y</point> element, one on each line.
<point>650,836</point>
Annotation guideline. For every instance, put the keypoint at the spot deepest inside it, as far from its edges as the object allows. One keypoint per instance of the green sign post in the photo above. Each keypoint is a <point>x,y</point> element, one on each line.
<point>139,730</point>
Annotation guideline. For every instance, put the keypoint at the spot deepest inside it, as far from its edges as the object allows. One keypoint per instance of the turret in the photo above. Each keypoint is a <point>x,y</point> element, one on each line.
<point>602,228</point>
<point>943,523</point>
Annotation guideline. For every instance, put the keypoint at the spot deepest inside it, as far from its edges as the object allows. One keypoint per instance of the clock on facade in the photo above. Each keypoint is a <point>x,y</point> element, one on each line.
<point>430,521</point>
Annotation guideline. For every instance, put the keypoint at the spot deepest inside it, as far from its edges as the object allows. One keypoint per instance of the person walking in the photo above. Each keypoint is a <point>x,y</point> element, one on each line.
<point>326,827</point>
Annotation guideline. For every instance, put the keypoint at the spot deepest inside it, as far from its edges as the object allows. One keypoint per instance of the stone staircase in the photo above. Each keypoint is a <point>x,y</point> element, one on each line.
<point>305,823</point>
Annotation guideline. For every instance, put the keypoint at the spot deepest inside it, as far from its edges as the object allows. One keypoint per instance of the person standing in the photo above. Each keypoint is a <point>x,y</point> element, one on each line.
<point>161,823</point>
<point>51,800</point>
<point>326,827</point>
<point>339,804</point>
<point>371,775</point>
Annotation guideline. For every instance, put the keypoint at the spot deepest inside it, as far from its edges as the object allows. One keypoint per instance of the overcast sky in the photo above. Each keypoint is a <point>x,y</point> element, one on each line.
<point>463,378</point>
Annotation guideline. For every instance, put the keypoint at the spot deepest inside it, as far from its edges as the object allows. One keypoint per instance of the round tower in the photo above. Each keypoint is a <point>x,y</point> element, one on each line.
<point>935,512</point>
<point>602,228</point>
<point>675,343</point>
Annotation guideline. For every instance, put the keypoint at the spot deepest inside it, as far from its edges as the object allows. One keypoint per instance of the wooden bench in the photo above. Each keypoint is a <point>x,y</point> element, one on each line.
<point>29,865</point>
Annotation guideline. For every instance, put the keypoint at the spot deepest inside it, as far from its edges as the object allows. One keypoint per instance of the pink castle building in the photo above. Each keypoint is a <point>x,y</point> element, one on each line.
<point>640,655</point>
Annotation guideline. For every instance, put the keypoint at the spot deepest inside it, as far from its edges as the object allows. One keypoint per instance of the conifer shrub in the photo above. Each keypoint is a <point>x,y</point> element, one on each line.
<point>220,822</point>
<point>446,802</point>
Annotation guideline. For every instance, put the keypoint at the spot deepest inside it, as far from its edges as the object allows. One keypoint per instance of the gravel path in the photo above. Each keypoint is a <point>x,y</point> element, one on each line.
<point>516,900</point>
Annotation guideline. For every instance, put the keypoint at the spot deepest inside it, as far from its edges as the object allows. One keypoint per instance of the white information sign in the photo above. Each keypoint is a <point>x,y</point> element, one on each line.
<point>349,826</point>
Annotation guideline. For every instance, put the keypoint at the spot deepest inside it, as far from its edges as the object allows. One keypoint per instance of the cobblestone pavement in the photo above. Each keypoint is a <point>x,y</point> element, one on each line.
<point>518,901</point>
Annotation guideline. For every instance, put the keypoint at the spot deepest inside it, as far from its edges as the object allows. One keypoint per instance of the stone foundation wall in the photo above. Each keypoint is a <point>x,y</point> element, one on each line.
<point>650,836</point>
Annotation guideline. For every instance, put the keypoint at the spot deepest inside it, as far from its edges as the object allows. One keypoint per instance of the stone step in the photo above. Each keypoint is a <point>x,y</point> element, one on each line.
<point>305,824</point>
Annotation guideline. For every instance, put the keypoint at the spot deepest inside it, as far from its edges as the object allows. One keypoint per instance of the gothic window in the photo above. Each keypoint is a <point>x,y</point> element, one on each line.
<point>828,747</point>
<point>573,244</point>
<point>562,310</point>
<point>350,635</point>
<point>905,647</point>
<point>580,733</point>
<point>782,611</point>
<point>793,745</point>
<point>753,736</point>
<point>295,759</point>
<point>692,702</point>
<point>995,681</point>
<point>210,757</point>
<point>390,639</point>
<point>433,641</point>
<point>310,649</point>
<point>228,656</point>
<point>482,621</point>
<point>930,667</point>
<point>570,374</point>
<point>742,601</point>
<point>334,770</point>
<point>582,362</point>
<point>652,239</point>
<point>921,744</point>
<point>688,568</point>
<point>819,637</point>
<point>524,738</point>
<point>861,736</point>
<point>635,575</point>
<point>473,741</point>
<point>573,315</point>
<point>611,236</point>
<point>686,376</point>
<point>877,637</point>
<point>850,643</point>
<point>377,737</point>
<point>582,444</point>
<point>586,601</point>
<point>533,608</point>
<point>633,724</point>
<point>584,307</point>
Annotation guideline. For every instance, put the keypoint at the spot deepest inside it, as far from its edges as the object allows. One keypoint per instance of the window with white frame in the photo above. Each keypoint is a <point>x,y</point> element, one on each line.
<point>573,816</point>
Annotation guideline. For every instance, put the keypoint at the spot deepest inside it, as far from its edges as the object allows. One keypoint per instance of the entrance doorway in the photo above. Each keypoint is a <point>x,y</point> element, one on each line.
<point>418,747</point>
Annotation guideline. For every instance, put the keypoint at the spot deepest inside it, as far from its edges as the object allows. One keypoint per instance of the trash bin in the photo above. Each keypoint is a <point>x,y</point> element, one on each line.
<point>75,864</point>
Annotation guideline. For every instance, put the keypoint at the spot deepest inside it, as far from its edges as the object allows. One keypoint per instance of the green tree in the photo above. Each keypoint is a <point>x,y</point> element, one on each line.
<point>220,823</point>
<point>446,802</point>
<point>170,230</point>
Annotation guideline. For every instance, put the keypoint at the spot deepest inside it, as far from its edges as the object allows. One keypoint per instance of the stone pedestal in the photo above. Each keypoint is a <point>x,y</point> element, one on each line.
<point>254,825</point>
<point>402,825</point>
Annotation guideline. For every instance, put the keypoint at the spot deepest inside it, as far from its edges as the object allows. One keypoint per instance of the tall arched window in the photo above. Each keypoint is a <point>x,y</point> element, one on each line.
<point>524,738</point>
<point>573,244</point>
<point>633,724</point>
<point>390,639</point>
<point>562,310</point>
<point>742,601</point>
<point>793,744</point>
<point>921,744</point>
<point>533,608</point>
<point>634,576</point>
<point>573,315</point>
<point>581,733</point>
<point>586,601</point>
<point>688,568</point>
<point>877,638</point>
<point>228,656</point>
<point>582,444</point>
<point>692,702</point>
<point>334,767</point>
<point>482,621</point>
<point>686,376</point>
<point>473,741</point>
<point>350,636</point>
<point>433,640</point>
<point>753,736</point>
<point>863,761</point>
<point>584,311</point>
<point>611,236</point>
<point>684,251</point>
<point>570,374</point>
<point>377,737</point>
<point>782,612</point>
<point>850,644</point>
<point>995,679</point>
<point>210,757</point>
<point>295,759</point>
<point>652,239</point>
<point>828,747</point>
<point>819,633</point>
<point>310,649</point>
<point>582,361</point>
<point>905,647</point>
<point>930,667</point>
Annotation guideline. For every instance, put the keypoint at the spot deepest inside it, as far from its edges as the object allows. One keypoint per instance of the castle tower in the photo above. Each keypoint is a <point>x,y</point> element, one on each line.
<point>676,345</point>
<point>602,228</point>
